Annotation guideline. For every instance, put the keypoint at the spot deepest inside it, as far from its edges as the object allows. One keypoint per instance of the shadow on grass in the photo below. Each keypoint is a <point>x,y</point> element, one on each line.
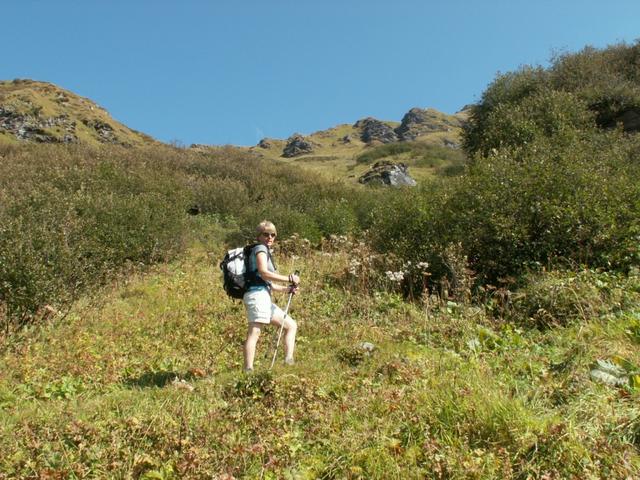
<point>157,379</point>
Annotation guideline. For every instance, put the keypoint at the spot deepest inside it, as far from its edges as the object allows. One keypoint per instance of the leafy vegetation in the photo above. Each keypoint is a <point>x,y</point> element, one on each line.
<point>71,218</point>
<point>75,217</point>
<point>546,187</point>
<point>579,90</point>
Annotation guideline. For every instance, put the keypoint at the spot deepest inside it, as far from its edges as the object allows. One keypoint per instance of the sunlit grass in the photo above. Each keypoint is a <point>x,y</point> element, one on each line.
<point>148,382</point>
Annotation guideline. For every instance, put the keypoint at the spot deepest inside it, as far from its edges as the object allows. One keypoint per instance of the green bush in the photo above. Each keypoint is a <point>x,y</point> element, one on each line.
<point>519,106</point>
<point>220,196</point>
<point>72,218</point>
<point>506,90</point>
<point>249,190</point>
<point>525,208</point>
<point>559,116</point>
<point>335,217</point>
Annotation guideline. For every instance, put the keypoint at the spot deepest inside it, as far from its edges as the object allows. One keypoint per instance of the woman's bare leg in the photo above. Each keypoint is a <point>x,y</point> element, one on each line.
<point>253,333</point>
<point>290,328</point>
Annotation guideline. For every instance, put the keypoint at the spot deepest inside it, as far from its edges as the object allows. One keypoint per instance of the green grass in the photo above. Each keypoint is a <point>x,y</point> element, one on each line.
<point>146,383</point>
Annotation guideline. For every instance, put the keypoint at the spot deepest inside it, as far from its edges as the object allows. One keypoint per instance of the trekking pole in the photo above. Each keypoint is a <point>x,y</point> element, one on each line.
<point>284,318</point>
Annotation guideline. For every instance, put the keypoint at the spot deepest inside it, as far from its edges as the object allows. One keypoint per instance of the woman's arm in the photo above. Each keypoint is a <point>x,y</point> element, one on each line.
<point>263,270</point>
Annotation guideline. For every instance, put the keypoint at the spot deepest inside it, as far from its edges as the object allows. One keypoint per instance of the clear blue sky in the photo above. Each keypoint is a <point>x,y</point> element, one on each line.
<point>235,71</point>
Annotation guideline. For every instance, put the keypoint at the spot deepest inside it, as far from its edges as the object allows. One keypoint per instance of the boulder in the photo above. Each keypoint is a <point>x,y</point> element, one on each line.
<point>372,130</point>
<point>265,143</point>
<point>388,173</point>
<point>418,121</point>
<point>297,145</point>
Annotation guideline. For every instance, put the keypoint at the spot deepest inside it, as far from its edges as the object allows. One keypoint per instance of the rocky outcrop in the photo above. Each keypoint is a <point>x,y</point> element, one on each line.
<point>388,173</point>
<point>418,121</point>
<point>104,130</point>
<point>373,130</point>
<point>34,127</point>
<point>37,128</point>
<point>297,145</point>
<point>33,111</point>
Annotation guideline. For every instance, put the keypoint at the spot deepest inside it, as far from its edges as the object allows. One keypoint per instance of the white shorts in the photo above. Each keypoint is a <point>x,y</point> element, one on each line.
<point>260,308</point>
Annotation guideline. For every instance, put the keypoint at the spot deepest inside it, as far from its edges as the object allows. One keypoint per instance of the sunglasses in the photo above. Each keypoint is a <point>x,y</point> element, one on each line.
<point>268,234</point>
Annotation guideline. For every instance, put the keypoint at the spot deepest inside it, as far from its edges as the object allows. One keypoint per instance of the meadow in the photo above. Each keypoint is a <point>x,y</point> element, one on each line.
<point>145,382</point>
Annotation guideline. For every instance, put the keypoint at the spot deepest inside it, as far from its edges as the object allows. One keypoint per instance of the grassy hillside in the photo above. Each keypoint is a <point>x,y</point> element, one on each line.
<point>334,157</point>
<point>147,383</point>
<point>33,111</point>
<point>42,112</point>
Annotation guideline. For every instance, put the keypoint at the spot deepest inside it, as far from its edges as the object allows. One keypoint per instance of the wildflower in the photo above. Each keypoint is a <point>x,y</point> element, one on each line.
<point>353,266</point>
<point>395,276</point>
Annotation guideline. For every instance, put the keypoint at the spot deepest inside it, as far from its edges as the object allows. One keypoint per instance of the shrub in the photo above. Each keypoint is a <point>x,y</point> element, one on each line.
<point>559,116</point>
<point>506,90</point>
<point>524,208</point>
<point>249,190</point>
<point>74,217</point>
<point>519,106</point>
<point>335,217</point>
<point>220,196</point>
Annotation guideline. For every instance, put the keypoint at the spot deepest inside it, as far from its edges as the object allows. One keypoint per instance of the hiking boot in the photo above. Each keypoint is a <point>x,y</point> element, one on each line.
<point>248,370</point>
<point>289,361</point>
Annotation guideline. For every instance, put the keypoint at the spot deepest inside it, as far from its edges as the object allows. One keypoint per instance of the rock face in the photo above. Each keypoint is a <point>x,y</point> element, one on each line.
<point>103,129</point>
<point>33,111</point>
<point>31,127</point>
<point>418,121</point>
<point>388,173</point>
<point>297,145</point>
<point>372,130</point>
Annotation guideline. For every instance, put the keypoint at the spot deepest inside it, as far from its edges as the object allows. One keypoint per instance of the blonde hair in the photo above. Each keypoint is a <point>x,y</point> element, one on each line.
<point>264,226</point>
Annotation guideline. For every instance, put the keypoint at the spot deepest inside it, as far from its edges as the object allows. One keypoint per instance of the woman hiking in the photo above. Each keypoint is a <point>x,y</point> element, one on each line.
<point>257,300</point>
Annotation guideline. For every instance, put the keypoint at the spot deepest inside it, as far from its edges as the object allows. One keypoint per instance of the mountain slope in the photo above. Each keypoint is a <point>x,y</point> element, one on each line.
<point>426,140</point>
<point>41,112</point>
